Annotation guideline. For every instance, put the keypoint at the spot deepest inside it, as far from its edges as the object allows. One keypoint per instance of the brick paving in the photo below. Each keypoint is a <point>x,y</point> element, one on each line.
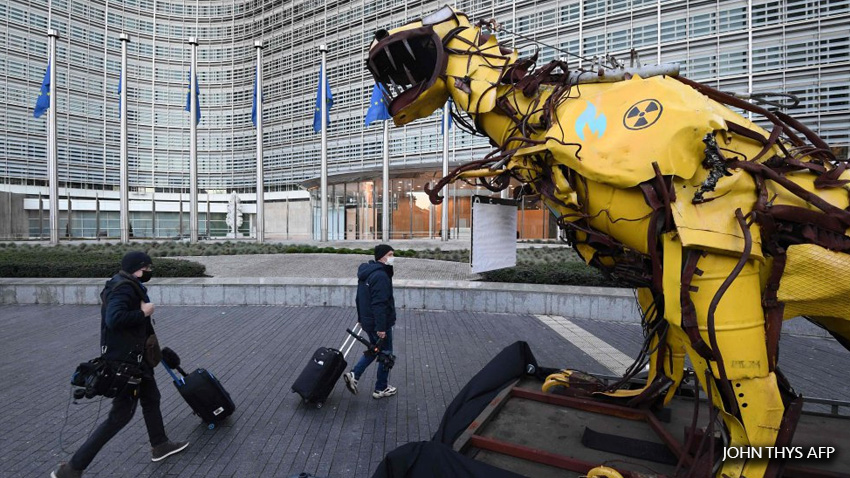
<point>815,366</point>
<point>257,352</point>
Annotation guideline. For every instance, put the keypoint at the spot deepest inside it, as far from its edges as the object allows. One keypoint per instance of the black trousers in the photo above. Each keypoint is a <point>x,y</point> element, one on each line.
<point>123,409</point>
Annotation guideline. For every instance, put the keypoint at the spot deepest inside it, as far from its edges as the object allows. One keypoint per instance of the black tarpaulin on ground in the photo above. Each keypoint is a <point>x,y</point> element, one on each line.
<point>426,459</point>
<point>513,362</point>
<point>437,458</point>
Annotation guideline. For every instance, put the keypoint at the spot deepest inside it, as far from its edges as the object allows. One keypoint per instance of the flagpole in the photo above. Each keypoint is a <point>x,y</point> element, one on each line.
<point>385,210</point>
<point>323,112</point>
<point>52,166</point>
<point>261,230</point>
<point>444,227</point>
<point>193,143</point>
<point>124,179</point>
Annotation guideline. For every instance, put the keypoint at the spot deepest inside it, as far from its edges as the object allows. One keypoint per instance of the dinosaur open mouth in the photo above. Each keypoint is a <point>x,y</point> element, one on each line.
<point>407,63</point>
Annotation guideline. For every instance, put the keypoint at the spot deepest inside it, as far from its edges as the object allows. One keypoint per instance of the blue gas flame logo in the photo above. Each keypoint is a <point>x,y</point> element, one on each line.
<point>596,122</point>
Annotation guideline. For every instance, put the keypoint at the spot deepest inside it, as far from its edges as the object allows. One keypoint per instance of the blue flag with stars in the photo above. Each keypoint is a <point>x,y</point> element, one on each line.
<point>42,103</point>
<point>449,106</point>
<point>120,77</point>
<point>317,117</point>
<point>377,106</point>
<point>197,98</point>
<point>254,107</point>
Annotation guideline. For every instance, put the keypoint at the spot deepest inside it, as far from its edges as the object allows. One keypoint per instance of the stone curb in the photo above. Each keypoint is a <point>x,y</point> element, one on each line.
<point>576,302</point>
<point>594,303</point>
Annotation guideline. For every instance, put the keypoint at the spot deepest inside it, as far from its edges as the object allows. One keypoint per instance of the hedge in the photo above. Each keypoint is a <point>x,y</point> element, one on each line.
<point>567,273</point>
<point>21,262</point>
<point>545,265</point>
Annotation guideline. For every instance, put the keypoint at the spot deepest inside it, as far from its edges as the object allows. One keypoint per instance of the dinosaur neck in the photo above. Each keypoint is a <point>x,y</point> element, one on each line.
<point>476,65</point>
<point>495,123</point>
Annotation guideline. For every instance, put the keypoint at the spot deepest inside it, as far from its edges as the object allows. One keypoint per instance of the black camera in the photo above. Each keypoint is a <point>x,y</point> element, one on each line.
<point>374,350</point>
<point>100,377</point>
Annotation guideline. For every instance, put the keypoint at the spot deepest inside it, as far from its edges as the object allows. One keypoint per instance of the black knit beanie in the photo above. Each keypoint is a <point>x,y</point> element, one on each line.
<point>135,260</point>
<point>381,250</point>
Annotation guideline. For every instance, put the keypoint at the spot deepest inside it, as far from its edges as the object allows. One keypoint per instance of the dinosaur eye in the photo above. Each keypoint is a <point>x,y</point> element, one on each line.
<point>439,16</point>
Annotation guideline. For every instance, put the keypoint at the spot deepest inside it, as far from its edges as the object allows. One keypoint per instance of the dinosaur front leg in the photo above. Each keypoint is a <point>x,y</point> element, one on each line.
<point>666,358</point>
<point>724,334</point>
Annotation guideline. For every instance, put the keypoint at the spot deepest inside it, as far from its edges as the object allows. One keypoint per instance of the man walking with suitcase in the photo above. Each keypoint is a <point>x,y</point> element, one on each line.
<point>376,314</point>
<point>125,328</point>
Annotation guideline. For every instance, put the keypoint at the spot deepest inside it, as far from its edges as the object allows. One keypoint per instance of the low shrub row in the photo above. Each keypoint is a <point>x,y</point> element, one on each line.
<point>543,265</point>
<point>61,262</point>
<point>566,273</point>
<point>174,248</point>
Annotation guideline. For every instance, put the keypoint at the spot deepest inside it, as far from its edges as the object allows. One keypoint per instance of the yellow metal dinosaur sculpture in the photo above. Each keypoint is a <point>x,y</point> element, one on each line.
<point>725,228</point>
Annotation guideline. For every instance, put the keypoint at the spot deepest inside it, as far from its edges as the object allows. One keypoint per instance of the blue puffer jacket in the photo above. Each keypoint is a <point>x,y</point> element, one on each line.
<point>123,326</point>
<point>375,303</point>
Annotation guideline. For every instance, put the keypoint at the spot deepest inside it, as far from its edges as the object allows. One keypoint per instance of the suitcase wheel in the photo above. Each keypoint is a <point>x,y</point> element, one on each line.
<point>211,426</point>
<point>319,404</point>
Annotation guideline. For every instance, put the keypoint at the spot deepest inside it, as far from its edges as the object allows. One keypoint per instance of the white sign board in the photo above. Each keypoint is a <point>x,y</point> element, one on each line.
<point>493,234</point>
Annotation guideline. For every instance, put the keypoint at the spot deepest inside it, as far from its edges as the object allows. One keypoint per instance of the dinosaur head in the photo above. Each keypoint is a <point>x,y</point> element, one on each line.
<point>424,62</point>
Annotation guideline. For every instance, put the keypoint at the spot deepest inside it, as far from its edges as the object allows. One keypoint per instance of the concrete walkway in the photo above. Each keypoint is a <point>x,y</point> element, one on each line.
<point>257,352</point>
<point>327,266</point>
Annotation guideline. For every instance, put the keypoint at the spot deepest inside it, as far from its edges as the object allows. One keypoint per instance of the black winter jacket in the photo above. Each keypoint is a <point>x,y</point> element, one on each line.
<point>123,326</point>
<point>375,302</point>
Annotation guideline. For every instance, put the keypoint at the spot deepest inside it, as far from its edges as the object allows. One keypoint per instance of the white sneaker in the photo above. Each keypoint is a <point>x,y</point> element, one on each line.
<point>350,382</point>
<point>387,392</point>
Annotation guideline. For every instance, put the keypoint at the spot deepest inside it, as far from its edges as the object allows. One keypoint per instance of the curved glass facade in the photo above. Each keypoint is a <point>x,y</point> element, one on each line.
<point>88,64</point>
<point>796,46</point>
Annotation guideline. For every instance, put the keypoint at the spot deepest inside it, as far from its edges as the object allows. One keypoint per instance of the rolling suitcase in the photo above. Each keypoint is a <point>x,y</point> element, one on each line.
<point>204,394</point>
<point>319,377</point>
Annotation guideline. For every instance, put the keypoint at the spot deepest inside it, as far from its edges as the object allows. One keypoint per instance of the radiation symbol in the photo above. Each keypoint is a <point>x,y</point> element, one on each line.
<point>642,114</point>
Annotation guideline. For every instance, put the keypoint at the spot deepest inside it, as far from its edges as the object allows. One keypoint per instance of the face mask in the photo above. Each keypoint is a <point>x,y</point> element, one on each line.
<point>146,276</point>
<point>390,261</point>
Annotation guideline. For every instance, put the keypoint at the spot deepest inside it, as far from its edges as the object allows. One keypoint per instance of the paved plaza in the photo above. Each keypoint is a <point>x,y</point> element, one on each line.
<point>257,353</point>
<point>330,266</point>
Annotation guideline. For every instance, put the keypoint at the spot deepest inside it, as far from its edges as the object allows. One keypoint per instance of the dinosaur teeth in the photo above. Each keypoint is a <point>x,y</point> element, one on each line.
<point>409,49</point>
<point>409,75</point>
<point>390,57</point>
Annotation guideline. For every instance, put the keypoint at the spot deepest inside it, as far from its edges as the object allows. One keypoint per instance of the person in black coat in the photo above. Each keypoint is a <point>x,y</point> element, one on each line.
<point>376,314</point>
<point>125,326</point>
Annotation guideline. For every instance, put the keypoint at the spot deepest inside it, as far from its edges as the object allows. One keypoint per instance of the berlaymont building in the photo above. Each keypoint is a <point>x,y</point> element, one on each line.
<point>800,47</point>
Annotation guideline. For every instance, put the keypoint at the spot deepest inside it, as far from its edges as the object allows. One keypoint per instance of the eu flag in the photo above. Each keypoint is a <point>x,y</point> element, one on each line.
<point>317,118</point>
<point>254,107</point>
<point>120,77</point>
<point>449,106</point>
<point>197,97</point>
<point>377,106</point>
<point>42,103</point>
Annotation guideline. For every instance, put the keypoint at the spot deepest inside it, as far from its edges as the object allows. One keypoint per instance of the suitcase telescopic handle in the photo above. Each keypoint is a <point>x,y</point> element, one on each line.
<point>349,341</point>
<point>372,348</point>
<point>174,376</point>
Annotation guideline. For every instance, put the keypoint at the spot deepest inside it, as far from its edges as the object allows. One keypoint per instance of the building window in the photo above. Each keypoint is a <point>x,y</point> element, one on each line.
<point>570,13</point>
<point>733,19</point>
<point>767,14</point>
<point>767,58</point>
<point>732,63</point>
<point>702,25</point>
<point>644,35</point>
<point>672,30</point>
